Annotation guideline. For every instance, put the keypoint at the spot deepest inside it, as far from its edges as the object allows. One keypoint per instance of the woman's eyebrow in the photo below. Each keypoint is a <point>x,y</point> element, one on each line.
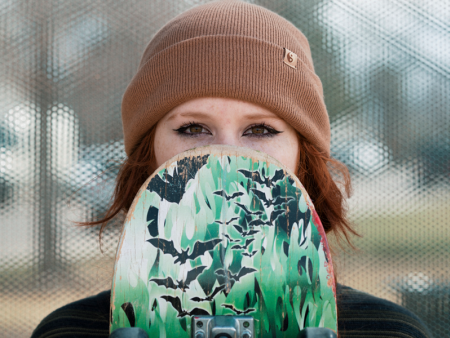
<point>190,114</point>
<point>256,116</point>
<point>247,116</point>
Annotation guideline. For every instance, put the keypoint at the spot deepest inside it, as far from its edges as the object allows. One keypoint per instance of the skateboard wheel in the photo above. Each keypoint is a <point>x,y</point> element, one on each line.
<point>317,332</point>
<point>129,332</point>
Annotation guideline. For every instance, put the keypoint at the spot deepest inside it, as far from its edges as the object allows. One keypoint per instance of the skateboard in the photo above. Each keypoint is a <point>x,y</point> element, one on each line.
<point>219,232</point>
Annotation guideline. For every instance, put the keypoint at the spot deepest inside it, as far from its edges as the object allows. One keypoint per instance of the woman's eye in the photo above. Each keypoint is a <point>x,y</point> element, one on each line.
<point>192,130</point>
<point>261,131</point>
<point>195,129</point>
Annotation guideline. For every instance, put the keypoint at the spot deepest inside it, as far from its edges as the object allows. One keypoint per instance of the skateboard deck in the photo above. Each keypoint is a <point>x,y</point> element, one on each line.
<point>222,230</point>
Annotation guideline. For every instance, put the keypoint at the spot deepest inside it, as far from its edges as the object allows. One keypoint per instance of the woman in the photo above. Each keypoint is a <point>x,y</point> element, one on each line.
<point>233,73</point>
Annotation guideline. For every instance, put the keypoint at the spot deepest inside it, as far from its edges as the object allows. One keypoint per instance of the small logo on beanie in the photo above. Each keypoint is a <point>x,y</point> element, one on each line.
<point>290,58</point>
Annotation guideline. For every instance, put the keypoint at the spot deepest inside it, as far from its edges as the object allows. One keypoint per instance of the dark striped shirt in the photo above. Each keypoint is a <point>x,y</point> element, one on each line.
<point>360,315</point>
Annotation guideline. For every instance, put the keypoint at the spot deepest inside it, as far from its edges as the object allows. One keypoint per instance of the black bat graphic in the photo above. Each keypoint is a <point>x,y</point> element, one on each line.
<point>224,194</point>
<point>172,187</point>
<point>245,246</point>
<point>245,233</point>
<point>277,201</point>
<point>249,254</point>
<point>255,176</point>
<point>170,284</point>
<point>167,282</point>
<point>238,312</point>
<point>211,296</point>
<point>259,222</point>
<point>229,221</point>
<point>248,212</point>
<point>273,216</point>
<point>199,248</point>
<point>176,303</point>
<point>230,239</point>
<point>242,272</point>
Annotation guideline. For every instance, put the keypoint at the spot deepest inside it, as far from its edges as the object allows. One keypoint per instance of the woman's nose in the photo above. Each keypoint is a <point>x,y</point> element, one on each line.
<point>227,137</point>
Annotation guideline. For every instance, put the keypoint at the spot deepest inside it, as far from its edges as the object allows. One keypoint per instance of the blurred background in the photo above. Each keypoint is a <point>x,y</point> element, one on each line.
<point>64,66</point>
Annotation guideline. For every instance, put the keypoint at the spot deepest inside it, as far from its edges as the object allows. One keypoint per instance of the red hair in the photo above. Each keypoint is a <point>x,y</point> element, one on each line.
<point>314,171</point>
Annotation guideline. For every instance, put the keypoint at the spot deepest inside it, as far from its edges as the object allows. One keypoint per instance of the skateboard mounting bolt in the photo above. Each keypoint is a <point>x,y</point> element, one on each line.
<point>246,324</point>
<point>200,324</point>
<point>200,334</point>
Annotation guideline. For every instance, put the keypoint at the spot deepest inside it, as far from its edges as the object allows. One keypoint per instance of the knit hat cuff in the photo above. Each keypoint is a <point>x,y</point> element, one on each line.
<point>233,66</point>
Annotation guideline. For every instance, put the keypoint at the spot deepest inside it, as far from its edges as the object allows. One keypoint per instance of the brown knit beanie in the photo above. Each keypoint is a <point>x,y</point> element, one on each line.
<point>227,49</point>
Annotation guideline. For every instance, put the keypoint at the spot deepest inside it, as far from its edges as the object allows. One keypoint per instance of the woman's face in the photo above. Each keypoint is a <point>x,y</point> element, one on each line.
<point>212,120</point>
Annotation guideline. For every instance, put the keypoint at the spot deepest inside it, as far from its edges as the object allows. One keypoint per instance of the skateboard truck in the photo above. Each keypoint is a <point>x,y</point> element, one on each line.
<point>242,327</point>
<point>222,327</point>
